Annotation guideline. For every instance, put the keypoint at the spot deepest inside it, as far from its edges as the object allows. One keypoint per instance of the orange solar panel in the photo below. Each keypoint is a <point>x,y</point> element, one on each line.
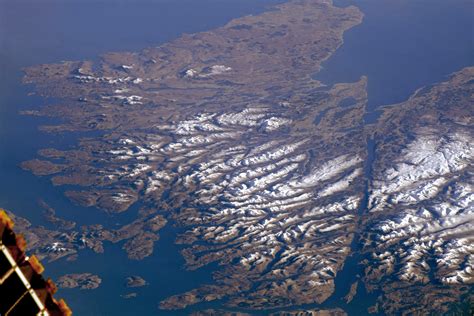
<point>23,290</point>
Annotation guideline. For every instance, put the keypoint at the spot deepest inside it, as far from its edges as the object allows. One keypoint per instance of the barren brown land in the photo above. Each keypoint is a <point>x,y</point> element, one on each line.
<point>83,281</point>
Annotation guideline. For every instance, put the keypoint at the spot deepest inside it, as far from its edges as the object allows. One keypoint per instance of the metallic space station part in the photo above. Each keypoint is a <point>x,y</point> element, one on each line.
<point>23,290</point>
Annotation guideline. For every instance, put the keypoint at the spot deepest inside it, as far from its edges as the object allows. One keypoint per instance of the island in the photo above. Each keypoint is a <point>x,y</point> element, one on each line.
<point>83,281</point>
<point>135,281</point>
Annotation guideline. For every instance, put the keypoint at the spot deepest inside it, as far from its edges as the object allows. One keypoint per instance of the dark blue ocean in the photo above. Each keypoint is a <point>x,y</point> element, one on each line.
<point>401,45</point>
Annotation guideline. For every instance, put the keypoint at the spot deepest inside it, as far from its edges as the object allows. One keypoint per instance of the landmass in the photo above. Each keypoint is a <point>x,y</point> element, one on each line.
<point>352,292</point>
<point>129,295</point>
<point>313,312</point>
<point>214,312</point>
<point>135,281</point>
<point>226,135</point>
<point>83,281</point>
<point>65,242</point>
<point>420,229</point>
<point>50,216</point>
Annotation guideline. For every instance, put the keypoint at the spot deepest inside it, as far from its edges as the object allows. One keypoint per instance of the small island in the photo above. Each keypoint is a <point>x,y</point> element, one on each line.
<point>135,281</point>
<point>83,281</point>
